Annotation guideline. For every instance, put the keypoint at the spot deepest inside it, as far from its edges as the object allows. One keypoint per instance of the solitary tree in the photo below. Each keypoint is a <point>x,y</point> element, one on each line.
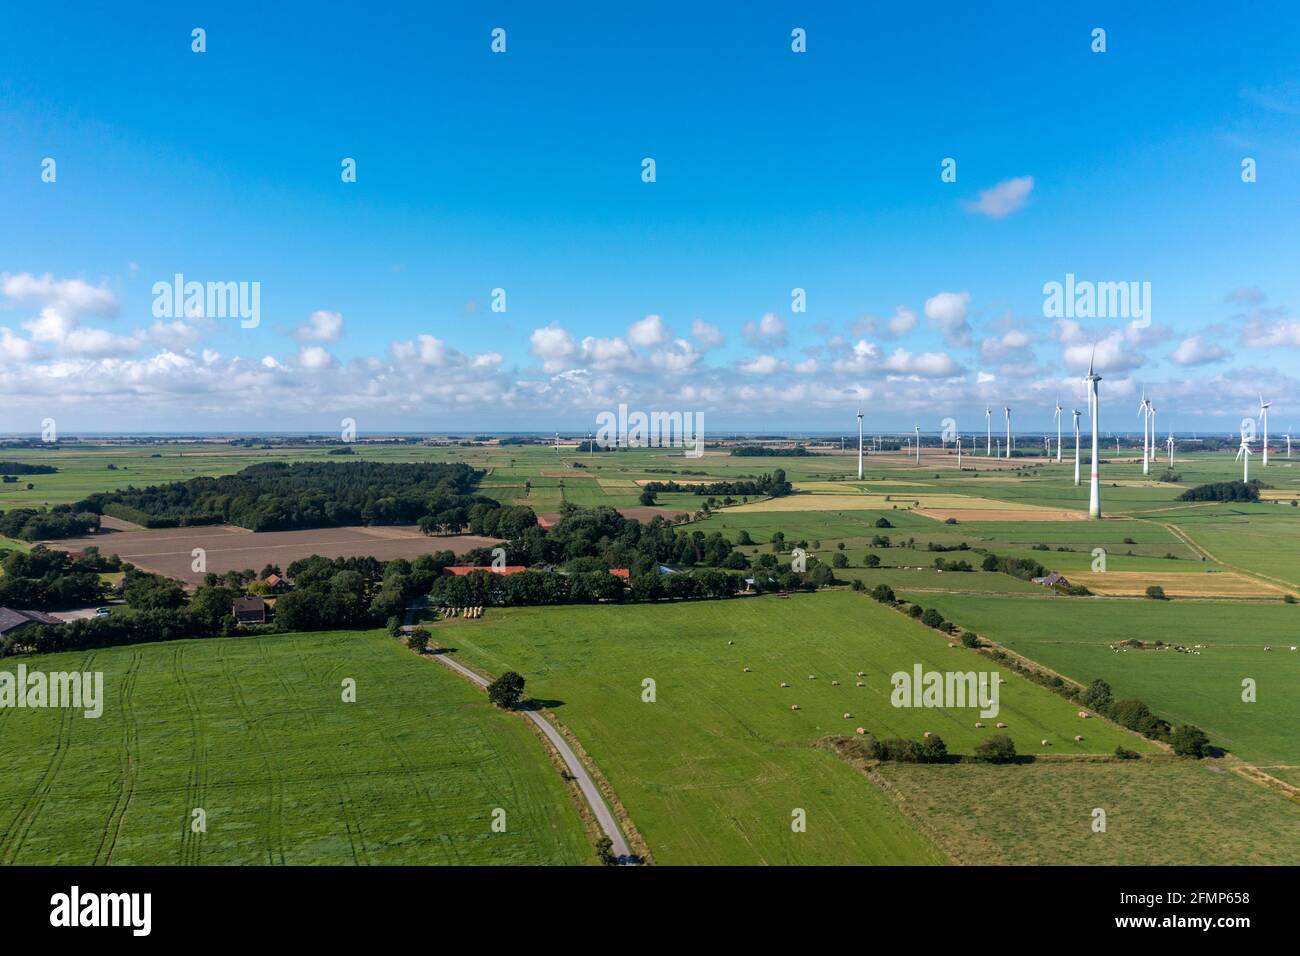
<point>506,690</point>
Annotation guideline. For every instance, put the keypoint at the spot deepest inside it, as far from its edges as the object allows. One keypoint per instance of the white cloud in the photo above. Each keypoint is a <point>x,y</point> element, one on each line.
<point>924,365</point>
<point>174,335</point>
<point>315,357</point>
<point>769,330</point>
<point>604,354</point>
<point>321,326</point>
<point>71,297</point>
<point>1262,334</point>
<point>15,348</point>
<point>553,345</point>
<point>761,365</point>
<point>648,332</point>
<point>904,321</point>
<point>1004,198</point>
<point>947,312</point>
<point>486,360</point>
<point>426,350</point>
<point>1194,350</point>
<point>675,358</point>
<point>709,336</point>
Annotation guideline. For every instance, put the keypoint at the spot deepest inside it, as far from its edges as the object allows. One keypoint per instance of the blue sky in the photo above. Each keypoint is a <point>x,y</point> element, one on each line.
<point>775,170</point>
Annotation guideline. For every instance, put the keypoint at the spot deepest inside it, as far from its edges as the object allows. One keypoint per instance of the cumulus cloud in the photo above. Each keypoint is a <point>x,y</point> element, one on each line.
<point>426,350</point>
<point>321,326</point>
<point>175,335</point>
<point>70,297</point>
<point>709,336</point>
<point>15,348</point>
<point>1263,334</point>
<point>553,345</point>
<point>315,357</point>
<point>603,354</point>
<point>1004,198</point>
<point>761,365</point>
<point>648,332</point>
<point>767,331</point>
<point>1194,350</point>
<point>904,321</point>
<point>675,358</point>
<point>947,312</point>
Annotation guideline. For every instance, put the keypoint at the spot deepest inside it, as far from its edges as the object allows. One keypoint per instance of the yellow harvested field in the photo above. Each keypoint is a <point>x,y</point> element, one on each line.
<point>1187,584</point>
<point>1278,494</point>
<point>618,484</point>
<point>1023,513</point>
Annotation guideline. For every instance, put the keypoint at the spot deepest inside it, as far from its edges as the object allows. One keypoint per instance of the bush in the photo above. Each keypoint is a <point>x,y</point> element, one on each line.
<point>883,523</point>
<point>1125,754</point>
<point>839,560</point>
<point>933,749</point>
<point>1096,695</point>
<point>883,593</point>
<point>1156,593</point>
<point>998,748</point>
<point>1190,741</point>
<point>915,610</point>
<point>902,751</point>
<point>970,639</point>
<point>418,641</point>
<point>931,618</point>
<point>873,561</point>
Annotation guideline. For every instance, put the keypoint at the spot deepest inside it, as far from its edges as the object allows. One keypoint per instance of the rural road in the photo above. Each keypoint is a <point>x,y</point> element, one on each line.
<point>585,783</point>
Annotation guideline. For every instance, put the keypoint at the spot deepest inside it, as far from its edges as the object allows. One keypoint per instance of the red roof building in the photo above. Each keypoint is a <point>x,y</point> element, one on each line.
<point>623,573</point>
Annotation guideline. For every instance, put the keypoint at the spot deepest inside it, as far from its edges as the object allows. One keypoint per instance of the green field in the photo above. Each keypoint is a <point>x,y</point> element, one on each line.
<point>712,770</point>
<point>1071,635</point>
<point>1158,812</point>
<point>254,731</point>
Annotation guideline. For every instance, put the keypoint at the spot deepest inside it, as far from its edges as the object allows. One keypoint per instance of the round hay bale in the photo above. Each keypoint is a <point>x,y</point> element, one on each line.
<point>979,724</point>
<point>1001,724</point>
<point>794,706</point>
<point>812,676</point>
<point>1084,714</point>
<point>860,730</point>
<point>926,734</point>
<point>748,669</point>
<point>1078,738</point>
<point>784,684</point>
<point>864,673</point>
<point>862,684</point>
<point>847,715</point>
<point>1045,743</point>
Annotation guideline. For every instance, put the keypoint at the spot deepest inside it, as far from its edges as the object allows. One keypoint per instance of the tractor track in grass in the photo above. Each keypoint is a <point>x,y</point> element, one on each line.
<point>130,765</point>
<point>21,825</point>
<point>274,778</point>
<point>360,855</point>
<point>191,850</point>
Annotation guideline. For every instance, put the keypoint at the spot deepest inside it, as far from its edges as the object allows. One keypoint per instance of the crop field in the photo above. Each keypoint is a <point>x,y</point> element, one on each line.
<point>1157,812</point>
<point>1212,584</point>
<point>712,769</point>
<point>254,732</point>
<point>1073,636</point>
<point>169,551</point>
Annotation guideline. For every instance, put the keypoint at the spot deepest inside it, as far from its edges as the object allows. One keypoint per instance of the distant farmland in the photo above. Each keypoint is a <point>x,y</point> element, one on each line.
<point>169,551</point>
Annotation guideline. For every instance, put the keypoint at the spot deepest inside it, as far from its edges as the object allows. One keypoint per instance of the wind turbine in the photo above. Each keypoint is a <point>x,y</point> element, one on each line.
<point>859,444</point>
<point>1058,431</point>
<point>988,425</point>
<point>1094,407</point>
<point>1076,447</point>
<point>1008,411</point>
<point>917,429</point>
<point>1243,456</point>
<point>1170,442</point>
<point>1263,413</point>
<point>959,453</point>
<point>1288,442</point>
<point>1153,434</point>
<point>1145,411</point>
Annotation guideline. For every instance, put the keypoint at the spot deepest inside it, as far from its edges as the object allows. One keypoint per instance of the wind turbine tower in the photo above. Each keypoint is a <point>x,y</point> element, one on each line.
<point>1170,442</point>
<point>859,444</point>
<point>1008,411</point>
<point>917,429</point>
<point>1145,411</point>
<point>988,424</point>
<point>1263,413</point>
<point>1243,456</point>
<point>1076,447</point>
<point>1058,431</point>
<point>1094,406</point>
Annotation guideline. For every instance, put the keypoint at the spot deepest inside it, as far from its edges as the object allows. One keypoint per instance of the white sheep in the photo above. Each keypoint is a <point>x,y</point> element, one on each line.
<point>784,684</point>
<point>1046,744</point>
<point>1001,724</point>
<point>864,673</point>
<point>861,730</point>
<point>794,706</point>
<point>748,669</point>
<point>926,734</point>
<point>979,724</point>
<point>1084,714</point>
<point>847,715</point>
<point>812,676</point>
<point>835,683</point>
<point>861,684</point>
<point>1078,738</point>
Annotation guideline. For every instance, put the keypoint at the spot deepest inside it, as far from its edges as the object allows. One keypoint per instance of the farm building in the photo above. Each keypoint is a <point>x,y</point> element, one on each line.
<point>1052,580</point>
<point>249,610</point>
<point>275,582</point>
<point>623,573</point>
<point>13,621</point>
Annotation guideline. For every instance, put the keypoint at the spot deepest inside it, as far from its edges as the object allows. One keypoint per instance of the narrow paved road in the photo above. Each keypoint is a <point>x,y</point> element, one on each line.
<point>588,787</point>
